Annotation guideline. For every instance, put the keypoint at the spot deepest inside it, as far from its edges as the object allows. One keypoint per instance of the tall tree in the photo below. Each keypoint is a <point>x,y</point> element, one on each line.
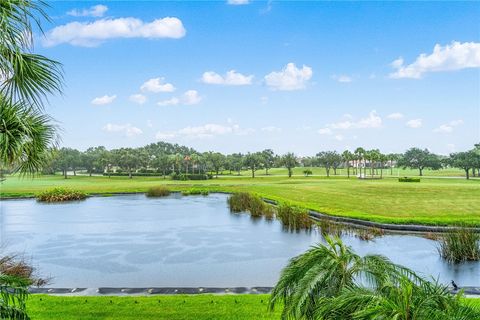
<point>416,158</point>
<point>289,161</point>
<point>347,156</point>
<point>252,161</point>
<point>268,159</point>
<point>465,160</point>
<point>216,161</point>
<point>328,160</point>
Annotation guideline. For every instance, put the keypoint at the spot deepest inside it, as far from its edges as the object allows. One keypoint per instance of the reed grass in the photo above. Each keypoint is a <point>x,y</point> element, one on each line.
<point>158,191</point>
<point>294,218</point>
<point>60,195</point>
<point>192,192</point>
<point>247,202</point>
<point>460,245</point>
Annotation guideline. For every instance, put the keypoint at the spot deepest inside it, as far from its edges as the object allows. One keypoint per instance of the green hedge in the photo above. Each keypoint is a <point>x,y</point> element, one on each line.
<point>181,176</point>
<point>407,179</point>
<point>134,174</point>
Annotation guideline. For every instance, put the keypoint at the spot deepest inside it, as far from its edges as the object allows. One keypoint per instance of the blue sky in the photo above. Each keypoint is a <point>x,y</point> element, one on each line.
<point>291,76</point>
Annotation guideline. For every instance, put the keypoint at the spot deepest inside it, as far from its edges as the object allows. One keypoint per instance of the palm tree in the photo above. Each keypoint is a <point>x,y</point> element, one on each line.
<point>26,135</point>
<point>347,157</point>
<point>27,79</point>
<point>13,294</point>
<point>324,271</point>
<point>332,282</point>
<point>359,153</point>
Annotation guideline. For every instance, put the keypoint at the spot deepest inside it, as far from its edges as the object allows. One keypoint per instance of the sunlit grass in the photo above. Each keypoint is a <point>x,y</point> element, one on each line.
<point>432,201</point>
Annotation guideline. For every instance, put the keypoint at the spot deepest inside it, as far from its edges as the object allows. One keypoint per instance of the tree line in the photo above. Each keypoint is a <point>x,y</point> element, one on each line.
<point>164,159</point>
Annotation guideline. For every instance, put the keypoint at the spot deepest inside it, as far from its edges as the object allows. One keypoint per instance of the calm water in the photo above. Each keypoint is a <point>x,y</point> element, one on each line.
<point>134,241</point>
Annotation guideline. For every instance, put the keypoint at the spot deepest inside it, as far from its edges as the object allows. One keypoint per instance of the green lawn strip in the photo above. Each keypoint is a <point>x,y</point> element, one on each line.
<point>433,201</point>
<point>249,306</point>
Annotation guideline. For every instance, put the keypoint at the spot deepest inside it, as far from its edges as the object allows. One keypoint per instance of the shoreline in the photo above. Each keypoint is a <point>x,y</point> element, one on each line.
<point>315,215</point>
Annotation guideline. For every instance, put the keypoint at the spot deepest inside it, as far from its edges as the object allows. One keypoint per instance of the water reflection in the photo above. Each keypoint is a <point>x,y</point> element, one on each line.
<point>131,240</point>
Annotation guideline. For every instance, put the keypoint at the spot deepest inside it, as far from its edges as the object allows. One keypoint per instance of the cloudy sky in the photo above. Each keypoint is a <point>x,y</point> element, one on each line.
<point>247,75</point>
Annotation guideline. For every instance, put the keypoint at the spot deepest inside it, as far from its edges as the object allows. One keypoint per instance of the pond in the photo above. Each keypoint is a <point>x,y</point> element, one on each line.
<point>182,241</point>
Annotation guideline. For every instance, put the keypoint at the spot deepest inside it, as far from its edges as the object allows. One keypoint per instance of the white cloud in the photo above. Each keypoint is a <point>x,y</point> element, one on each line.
<point>209,130</point>
<point>106,99</point>
<point>94,11</point>
<point>395,116</point>
<point>191,97</point>
<point>127,129</point>
<point>271,129</point>
<point>326,131</point>
<point>289,78</point>
<point>414,123</point>
<point>92,34</point>
<point>373,120</point>
<point>238,2</point>
<point>231,78</point>
<point>157,85</point>
<point>339,137</point>
<point>454,56</point>
<point>170,102</point>
<point>149,123</point>
<point>448,127</point>
<point>138,98</point>
<point>342,78</point>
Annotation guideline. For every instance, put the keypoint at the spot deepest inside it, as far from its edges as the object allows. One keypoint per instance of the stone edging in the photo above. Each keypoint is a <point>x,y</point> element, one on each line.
<point>371,224</point>
<point>110,291</point>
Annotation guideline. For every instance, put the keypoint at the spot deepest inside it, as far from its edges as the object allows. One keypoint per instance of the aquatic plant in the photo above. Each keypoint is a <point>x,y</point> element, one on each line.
<point>244,201</point>
<point>191,192</point>
<point>294,218</point>
<point>60,195</point>
<point>159,191</point>
<point>461,244</point>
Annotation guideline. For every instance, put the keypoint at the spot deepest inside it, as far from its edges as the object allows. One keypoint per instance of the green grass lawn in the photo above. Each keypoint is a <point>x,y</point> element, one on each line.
<point>43,307</point>
<point>432,201</point>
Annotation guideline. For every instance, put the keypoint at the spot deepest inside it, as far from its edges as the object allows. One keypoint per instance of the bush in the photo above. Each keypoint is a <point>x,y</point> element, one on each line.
<point>294,218</point>
<point>191,192</point>
<point>460,245</point>
<point>182,176</point>
<point>159,191</point>
<point>60,194</point>
<point>407,179</point>
<point>244,201</point>
<point>134,174</point>
<point>18,267</point>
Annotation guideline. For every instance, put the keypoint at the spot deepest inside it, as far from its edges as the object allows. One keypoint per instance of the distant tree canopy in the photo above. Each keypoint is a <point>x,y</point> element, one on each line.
<point>416,158</point>
<point>164,159</point>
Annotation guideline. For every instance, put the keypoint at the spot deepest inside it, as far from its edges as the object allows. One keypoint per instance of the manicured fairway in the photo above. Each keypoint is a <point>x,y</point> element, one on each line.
<point>432,201</point>
<point>43,307</point>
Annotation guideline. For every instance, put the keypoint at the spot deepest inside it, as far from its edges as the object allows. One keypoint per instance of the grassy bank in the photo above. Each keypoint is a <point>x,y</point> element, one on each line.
<point>432,201</point>
<point>227,307</point>
<point>43,307</point>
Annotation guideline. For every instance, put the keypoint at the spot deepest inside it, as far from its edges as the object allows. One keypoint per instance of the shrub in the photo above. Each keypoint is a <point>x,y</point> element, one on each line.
<point>460,245</point>
<point>307,172</point>
<point>18,267</point>
<point>244,201</point>
<point>160,191</point>
<point>182,176</point>
<point>407,179</point>
<point>294,218</point>
<point>60,194</point>
<point>191,192</point>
